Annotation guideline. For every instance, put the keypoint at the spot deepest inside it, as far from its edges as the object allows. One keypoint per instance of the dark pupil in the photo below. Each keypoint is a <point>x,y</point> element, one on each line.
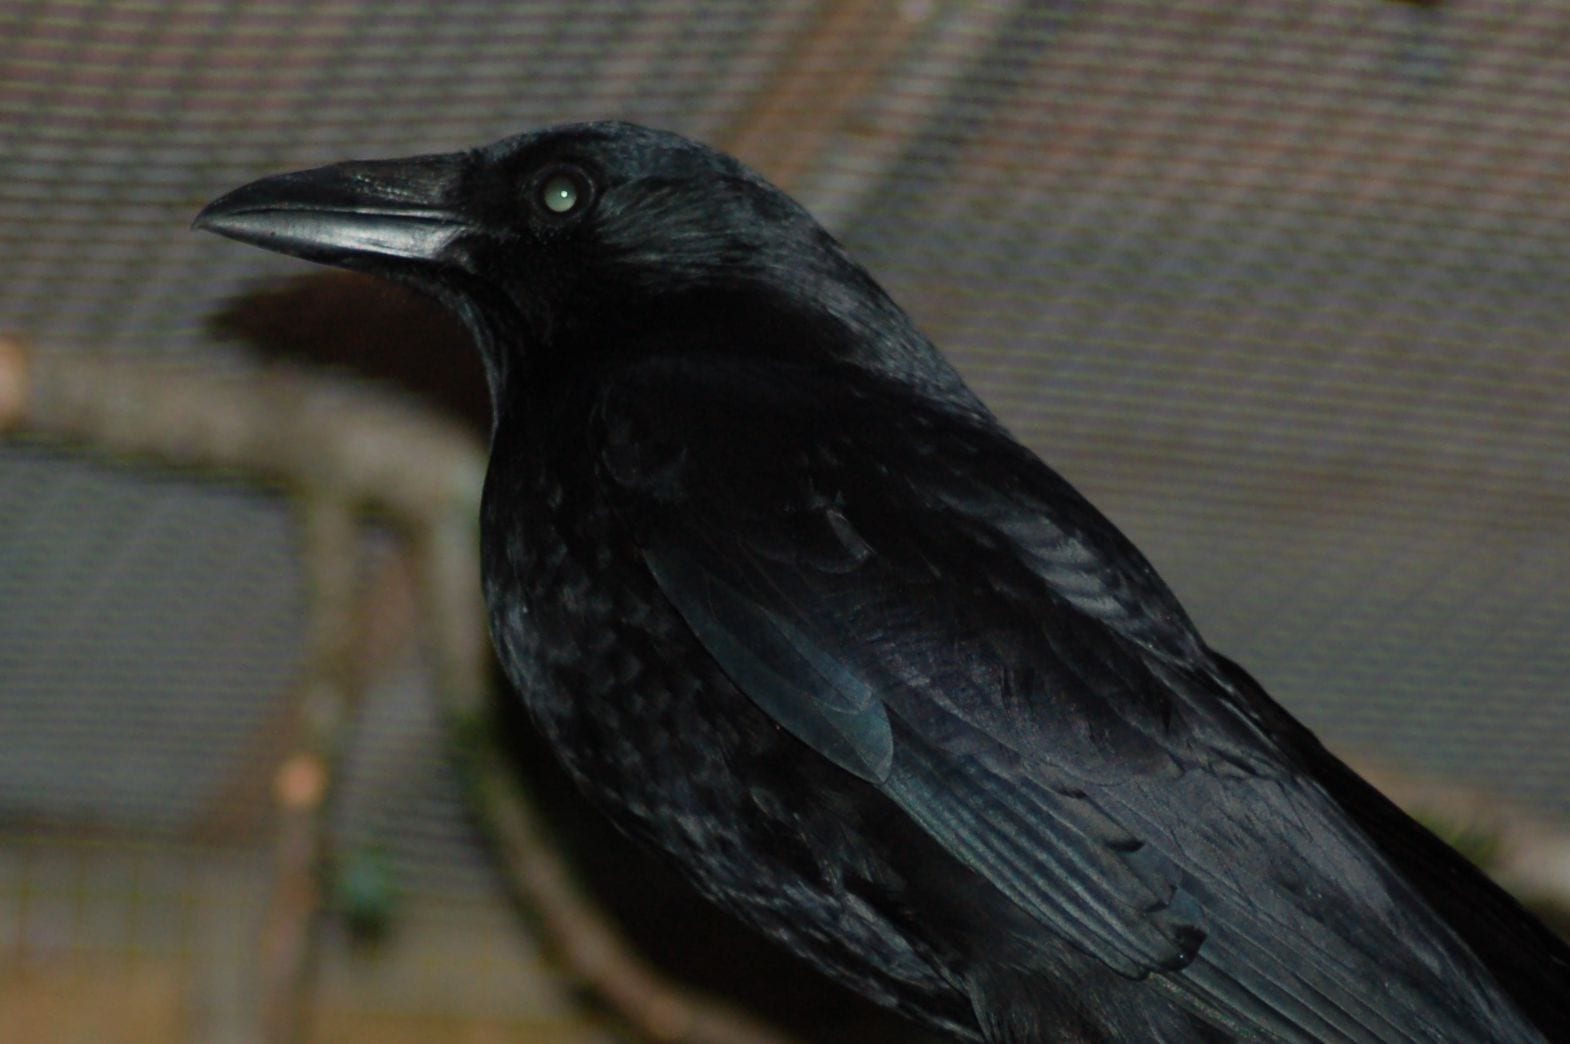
<point>560,193</point>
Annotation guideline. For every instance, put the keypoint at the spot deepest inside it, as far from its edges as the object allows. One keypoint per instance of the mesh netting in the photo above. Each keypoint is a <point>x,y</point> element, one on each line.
<point>1283,287</point>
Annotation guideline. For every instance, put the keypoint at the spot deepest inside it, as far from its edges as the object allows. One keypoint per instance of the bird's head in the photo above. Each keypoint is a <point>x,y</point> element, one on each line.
<point>577,242</point>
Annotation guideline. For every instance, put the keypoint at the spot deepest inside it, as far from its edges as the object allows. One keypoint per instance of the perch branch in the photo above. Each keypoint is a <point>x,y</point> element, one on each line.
<point>325,702</point>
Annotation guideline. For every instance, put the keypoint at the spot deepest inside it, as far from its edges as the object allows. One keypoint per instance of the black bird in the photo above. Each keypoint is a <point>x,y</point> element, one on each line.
<point>795,608</point>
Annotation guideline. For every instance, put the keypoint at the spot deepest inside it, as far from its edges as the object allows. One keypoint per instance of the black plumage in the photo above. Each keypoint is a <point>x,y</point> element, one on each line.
<point>795,608</point>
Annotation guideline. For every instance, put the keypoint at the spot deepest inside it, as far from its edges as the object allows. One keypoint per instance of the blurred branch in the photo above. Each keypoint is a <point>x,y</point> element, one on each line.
<point>325,701</point>
<point>282,426</point>
<point>341,451</point>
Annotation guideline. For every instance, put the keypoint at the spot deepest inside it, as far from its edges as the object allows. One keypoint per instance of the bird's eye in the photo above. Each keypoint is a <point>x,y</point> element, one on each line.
<point>564,190</point>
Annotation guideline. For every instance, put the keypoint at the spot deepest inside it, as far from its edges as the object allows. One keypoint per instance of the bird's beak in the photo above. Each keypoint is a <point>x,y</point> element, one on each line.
<point>348,212</point>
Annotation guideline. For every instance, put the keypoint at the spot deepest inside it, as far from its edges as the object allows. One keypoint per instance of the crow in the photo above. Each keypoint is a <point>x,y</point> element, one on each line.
<point>797,610</point>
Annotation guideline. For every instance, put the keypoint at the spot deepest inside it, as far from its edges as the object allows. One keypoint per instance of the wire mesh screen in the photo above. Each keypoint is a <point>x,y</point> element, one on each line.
<point>1282,287</point>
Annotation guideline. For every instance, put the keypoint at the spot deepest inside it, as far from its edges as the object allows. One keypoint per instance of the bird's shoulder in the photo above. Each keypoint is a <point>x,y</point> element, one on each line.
<point>872,558</point>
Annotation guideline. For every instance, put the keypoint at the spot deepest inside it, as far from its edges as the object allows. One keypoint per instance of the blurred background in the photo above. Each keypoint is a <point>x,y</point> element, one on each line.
<point>1283,287</point>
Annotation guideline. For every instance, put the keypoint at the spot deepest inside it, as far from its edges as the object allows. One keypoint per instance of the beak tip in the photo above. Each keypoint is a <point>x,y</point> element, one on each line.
<point>211,217</point>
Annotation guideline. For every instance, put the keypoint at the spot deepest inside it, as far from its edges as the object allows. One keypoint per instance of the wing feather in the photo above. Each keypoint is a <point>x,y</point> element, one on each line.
<point>927,606</point>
